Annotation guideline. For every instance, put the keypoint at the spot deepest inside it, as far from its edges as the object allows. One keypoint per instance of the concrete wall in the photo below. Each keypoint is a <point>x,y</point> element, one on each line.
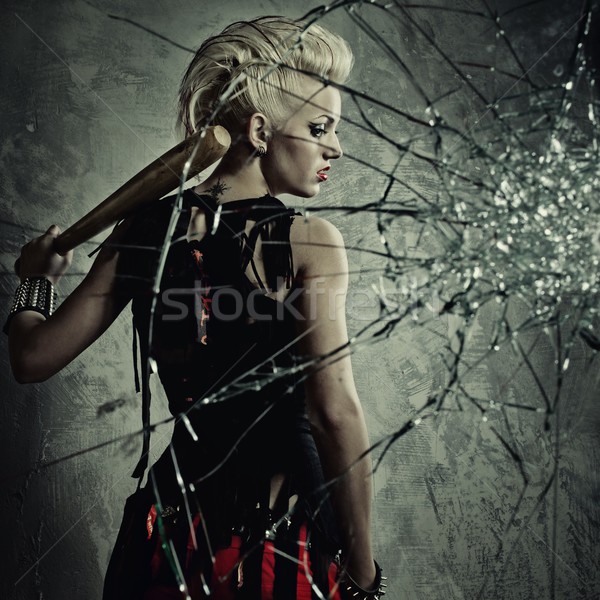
<point>86,102</point>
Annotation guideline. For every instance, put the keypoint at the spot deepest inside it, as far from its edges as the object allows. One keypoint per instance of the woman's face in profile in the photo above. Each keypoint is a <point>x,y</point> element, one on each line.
<point>300,152</point>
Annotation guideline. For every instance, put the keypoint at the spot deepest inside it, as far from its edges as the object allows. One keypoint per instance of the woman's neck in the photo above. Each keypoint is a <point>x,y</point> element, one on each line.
<point>238,176</point>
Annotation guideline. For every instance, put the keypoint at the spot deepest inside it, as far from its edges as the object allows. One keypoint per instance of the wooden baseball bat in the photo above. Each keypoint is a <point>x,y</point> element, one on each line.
<point>150,184</point>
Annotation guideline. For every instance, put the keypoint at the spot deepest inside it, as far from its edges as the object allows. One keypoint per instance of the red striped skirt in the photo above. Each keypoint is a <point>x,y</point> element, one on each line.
<point>269,572</point>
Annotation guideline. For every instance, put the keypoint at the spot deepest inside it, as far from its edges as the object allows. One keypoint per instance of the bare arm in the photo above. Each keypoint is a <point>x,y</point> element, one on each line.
<point>334,409</point>
<point>39,348</point>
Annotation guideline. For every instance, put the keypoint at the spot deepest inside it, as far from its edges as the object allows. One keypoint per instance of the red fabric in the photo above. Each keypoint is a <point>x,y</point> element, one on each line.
<point>303,587</point>
<point>150,519</point>
<point>333,585</point>
<point>227,574</point>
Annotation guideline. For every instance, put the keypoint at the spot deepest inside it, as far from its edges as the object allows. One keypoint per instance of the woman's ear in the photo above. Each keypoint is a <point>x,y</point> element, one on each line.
<point>259,132</point>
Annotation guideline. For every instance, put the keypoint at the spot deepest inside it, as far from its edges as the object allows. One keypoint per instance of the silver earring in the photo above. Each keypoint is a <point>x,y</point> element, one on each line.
<point>261,151</point>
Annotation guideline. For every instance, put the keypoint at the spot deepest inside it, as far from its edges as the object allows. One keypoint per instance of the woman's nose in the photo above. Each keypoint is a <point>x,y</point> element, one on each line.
<point>333,149</point>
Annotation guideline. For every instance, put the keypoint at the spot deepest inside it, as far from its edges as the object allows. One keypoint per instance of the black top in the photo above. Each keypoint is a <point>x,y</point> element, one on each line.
<point>226,357</point>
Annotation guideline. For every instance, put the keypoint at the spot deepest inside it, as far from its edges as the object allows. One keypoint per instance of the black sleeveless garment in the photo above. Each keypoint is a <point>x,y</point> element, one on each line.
<point>225,355</point>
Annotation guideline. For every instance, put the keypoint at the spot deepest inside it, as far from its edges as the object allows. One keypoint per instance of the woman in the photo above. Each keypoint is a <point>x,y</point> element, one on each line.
<point>251,303</point>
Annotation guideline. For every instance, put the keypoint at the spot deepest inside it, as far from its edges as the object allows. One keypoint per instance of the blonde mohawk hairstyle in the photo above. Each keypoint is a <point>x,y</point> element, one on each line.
<point>257,66</point>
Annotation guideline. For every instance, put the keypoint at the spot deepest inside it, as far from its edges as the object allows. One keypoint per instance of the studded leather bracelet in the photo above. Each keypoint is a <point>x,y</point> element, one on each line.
<point>35,293</point>
<point>355,591</point>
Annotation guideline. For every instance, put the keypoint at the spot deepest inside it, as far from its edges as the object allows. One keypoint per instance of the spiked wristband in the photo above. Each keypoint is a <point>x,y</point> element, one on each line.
<point>35,293</point>
<point>355,592</point>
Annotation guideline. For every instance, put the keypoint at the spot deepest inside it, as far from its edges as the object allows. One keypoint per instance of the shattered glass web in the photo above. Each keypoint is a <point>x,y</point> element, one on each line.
<point>497,217</point>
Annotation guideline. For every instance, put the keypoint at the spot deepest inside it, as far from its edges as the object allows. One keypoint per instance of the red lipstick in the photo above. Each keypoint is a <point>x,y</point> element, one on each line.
<point>322,175</point>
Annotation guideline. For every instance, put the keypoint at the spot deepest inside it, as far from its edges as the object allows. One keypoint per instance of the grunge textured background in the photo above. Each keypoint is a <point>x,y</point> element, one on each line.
<point>501,504</point>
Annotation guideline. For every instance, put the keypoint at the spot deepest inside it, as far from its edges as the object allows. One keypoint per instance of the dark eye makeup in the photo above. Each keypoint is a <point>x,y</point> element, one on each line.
<point>317,129</point>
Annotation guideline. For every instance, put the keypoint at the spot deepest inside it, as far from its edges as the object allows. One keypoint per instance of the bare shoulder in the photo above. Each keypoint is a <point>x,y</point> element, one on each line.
<point>316,241</point>
<point>312,226</point>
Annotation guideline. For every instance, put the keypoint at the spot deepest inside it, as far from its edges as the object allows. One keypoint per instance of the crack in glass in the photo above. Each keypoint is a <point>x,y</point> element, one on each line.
<point>497,223</point>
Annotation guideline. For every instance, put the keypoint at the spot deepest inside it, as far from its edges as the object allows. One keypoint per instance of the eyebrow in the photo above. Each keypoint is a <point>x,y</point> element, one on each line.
<point>328,117</point>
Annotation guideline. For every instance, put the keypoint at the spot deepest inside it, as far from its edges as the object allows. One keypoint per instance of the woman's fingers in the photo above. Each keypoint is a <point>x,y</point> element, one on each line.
<point>39,257</point>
